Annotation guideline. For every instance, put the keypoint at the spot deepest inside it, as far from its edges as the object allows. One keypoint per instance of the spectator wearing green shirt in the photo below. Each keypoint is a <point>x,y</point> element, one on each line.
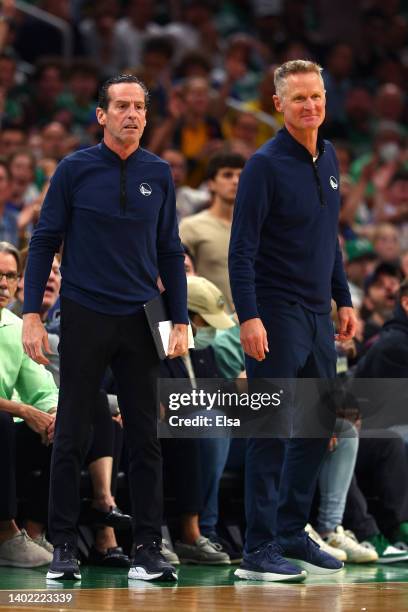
<point>28,400</point>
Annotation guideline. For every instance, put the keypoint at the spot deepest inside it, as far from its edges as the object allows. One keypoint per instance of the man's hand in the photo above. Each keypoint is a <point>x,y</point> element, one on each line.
<point>254,339</point>
<point>38,421</point>
<point>178,341</point>
<point>35,338</point>
<point>347,324</point>
<point>51,431</point>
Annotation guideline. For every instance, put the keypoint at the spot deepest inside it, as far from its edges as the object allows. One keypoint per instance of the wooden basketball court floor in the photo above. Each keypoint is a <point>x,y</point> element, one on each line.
<point>368,588</point>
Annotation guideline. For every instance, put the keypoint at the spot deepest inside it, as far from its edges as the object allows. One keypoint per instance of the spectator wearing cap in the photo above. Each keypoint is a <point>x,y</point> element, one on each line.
<point>380,295</point>
<point>197,480</point>
<point>360,263</point>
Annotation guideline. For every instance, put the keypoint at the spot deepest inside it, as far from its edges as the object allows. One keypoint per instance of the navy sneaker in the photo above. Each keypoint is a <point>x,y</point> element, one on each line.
<point>148,563</point>
<point>268,563</point>
<point>64,564</point>
<point>304,552</point>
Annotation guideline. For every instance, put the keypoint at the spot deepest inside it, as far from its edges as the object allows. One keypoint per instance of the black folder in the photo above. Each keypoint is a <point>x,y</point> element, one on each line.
<point>157,311</point>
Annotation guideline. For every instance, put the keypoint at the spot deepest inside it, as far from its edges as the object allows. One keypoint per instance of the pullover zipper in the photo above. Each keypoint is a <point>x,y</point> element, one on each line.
<point>319,185</point>
<point>123,187</point>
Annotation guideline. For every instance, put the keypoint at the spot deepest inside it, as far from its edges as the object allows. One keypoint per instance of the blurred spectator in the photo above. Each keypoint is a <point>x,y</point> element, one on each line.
<point>8,221</point>
<point>192,64</point>
<point>11,108</point>
<point>388,357</point>
<point>101,42</point>
<point>392,204</point>
<point>386,242</point>
<point>11,139</point>
<point>337,81</point>
<point>194,28</point>
<point>269,120</point>
<point>360,262</point>
<point>207,234</point>
<point>357,129</point>
<point>238,78</point>
<point>188,200</point>
<point>380,296</point>
<point>54,143</point>
<point>155,72</point>
<point>189,128</point>
<point>387,152</point>
<point>132,31</point>
<point>22,167</point>
<point>389,103</point>
<point>79,102</point>
<point>243,133</point>
<point>44,101</point>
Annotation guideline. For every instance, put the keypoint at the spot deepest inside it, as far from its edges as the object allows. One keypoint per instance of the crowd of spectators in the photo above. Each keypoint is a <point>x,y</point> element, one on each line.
<point>209,69</point>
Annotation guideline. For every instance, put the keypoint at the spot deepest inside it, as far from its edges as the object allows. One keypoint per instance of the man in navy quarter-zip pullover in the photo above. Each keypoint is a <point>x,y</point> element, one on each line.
<point>113,206</point>
<point>285,267</point>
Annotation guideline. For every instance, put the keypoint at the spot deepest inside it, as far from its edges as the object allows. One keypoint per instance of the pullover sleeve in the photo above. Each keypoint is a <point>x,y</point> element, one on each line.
<point>170,256</point>
<point>47,238</point>
<point>340,288</point>
<point>254,198</point>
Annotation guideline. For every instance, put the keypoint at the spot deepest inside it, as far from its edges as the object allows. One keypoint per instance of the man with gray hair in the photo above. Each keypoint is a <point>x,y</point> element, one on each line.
<point>26,427</point>
<point>285,266</point>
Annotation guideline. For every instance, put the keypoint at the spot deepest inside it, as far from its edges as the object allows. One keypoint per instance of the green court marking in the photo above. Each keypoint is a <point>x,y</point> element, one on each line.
<point>194,576</point>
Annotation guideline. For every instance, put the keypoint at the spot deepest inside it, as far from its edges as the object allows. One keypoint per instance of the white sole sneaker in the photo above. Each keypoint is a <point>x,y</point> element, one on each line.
<point>139,573</point>
<point>313,569</point>
<point>269,576</point>
<point>63,576</point>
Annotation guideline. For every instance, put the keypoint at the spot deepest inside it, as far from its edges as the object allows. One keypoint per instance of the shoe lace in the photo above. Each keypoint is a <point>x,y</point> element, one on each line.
<point>310,543</point>
<point>274,553</point>
<point>351,540</point>
<point>67,552</point>
<point>155,548</point>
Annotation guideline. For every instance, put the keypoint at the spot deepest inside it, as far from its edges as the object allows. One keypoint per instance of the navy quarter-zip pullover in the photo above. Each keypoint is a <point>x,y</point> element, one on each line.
<point>284,233</point>
<point>117,219</point>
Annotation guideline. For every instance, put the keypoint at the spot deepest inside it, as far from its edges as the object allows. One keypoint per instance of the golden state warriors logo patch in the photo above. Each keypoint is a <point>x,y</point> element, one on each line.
<point>145,189</point>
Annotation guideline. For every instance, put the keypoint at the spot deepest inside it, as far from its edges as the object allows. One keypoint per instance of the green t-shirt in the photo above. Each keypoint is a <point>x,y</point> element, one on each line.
<point>18,373</point>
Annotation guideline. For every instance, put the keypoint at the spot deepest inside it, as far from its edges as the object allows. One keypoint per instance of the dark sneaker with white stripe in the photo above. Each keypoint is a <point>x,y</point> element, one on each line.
<point>267,563</point>
<point>64,564</point>
<point>148,563</point>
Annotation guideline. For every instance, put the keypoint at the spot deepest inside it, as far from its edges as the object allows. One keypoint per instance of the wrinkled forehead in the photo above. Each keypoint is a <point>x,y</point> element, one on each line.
<point>8,262</point>
<point>129,92</point>
<point>303,82</point>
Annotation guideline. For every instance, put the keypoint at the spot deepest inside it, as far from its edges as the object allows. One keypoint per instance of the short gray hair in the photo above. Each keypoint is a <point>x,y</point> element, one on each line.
<point>10,249</point>
<point>294,67</point>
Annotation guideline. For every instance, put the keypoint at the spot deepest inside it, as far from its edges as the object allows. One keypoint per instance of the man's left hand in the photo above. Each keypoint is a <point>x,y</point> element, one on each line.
<point>347,324</point>
<point>178,341</point>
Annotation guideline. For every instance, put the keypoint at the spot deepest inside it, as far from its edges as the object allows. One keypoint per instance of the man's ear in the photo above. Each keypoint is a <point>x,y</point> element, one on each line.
<point>278,103</point>
<point>101,116</point>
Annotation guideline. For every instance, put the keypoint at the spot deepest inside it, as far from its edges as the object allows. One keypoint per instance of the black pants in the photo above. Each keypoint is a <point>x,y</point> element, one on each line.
<point>91,341</point>
<point>377,498</point>
<point>22,453</point>
<point>182,469</point>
